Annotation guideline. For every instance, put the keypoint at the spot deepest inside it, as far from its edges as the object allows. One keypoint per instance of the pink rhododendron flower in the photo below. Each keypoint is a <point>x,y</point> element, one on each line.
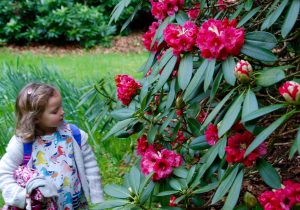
<point>281,199</point>
<point>142,145</point>
<point>127,88</point>
<point>181,38</point>
<point>163,8</point>
<point>219,39</point>
<point>162,163</point>
<point>211,134</point>
<point>291,92</point>
<point>243,71</point>
<point>194,12</point>
<point>148,37</point>
<point>237,146</point>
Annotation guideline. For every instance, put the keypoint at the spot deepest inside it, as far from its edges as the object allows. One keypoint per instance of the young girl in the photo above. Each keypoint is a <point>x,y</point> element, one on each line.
<point>56,155</point>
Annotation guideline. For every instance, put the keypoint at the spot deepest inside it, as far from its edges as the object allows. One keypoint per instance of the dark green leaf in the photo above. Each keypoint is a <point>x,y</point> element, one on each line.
<point>258,53</point>
<point>298,140</point>
<point>194,84</point>
<point>290,18</point>
<point>271,19</point>
<point>117,127</point>
<point>145,182</point>
<point>134,179</point>
<point>191,174</point>
<point>250,103</point>
<point>222,146</point>
<point>206,188</point>
<point>194,126</point>
<point>248,16</point>
<point>122,114</point>
<point>164,59</point>
<point>216,85</point>
<point>175,184</point>
<point>228,70</point>
<point>111,204</point>
<point>199,143</point>
<point>237,12</point>
<point>116,191</point>
<point>225,186</point>
<point>270,77</point>
<point>166,73</point>
<point>148,63</point>
<point>167,122</point>
<point>266,133</point>
<point>268,173</point>
<point>181,17</point>
<point>209,74</point>
<point>171,192</point>
<point>180,172</point>
<point>171,95</point>
<point>137,8</point>
<point>152,133</point>
<point>234,192</point>
<point>185,71</point>
<point>262,111</point>
<point>231,115</point>
<point>262,39</point>
<point>147,192</point>
<point>248,5</point>
<point>118,9</point>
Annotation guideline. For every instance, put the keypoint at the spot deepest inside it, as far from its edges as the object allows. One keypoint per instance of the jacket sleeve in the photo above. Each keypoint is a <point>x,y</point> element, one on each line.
<point>12,193</point>
<point>91,170</point>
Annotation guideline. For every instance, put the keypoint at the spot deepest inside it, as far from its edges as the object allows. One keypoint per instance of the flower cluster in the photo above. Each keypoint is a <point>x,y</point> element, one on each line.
<point>160,162</point>
<point>291,92</point>
<point>148,37</point>
<point>219,39</point>
<point>194,12</point>
<point>243,71</point>
<point>163,8</point>
<point>281,199</point>
<point>211,134</point>
<point>181,39</point>
<point>127,88</point>
<point>237,146</point>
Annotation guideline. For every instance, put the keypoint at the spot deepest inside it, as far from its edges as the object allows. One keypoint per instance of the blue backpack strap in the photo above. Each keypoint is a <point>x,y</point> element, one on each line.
<point>76,134</point>
<point>27,152</point>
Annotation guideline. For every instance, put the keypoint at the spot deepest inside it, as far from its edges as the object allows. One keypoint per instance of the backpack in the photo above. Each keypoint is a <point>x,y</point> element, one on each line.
<point>28,146</point>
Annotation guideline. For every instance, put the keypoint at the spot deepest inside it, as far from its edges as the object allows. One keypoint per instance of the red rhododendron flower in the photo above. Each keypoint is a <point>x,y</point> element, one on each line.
<point>202,116</point>
<point>237,146</point>
<point>164,8</point>
<point>148,37</point>
<point>281,199</point>
<point>220,38</point>
<point>142,145</point>
<point>211,134</point>
<point>127,88</point>
<point>172,200</point>
<point>194,12</point>
<point>243,71</point>
<point>181,38</point>
<point>291,92</point>
<point>222,5</point>
<point>162,163</point>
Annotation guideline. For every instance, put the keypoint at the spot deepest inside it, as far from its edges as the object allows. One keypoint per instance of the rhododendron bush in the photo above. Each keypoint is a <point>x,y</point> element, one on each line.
<point>220,90</point>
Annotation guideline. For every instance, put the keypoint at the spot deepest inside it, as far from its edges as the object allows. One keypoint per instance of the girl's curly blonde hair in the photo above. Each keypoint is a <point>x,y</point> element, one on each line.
<point>30,105</point>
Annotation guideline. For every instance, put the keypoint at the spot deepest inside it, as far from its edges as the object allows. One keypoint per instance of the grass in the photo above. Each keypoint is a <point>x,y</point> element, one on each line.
<point>81,69</point>
<point>75,67</point>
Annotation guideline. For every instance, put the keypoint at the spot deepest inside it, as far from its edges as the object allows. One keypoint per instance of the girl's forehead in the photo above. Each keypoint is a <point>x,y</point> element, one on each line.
<point>54,100</point>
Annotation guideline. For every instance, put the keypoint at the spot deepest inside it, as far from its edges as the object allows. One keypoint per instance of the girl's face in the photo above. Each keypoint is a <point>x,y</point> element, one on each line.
<point>53,115</point>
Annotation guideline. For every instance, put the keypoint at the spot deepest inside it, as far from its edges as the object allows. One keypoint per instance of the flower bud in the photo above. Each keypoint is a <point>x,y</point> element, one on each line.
<point>179,103</point>
<point>243,71</point>
<point>250,200</point>
<point>291,92</point>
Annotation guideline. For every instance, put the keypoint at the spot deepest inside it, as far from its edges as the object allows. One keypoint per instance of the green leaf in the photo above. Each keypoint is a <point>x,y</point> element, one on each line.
<point>147,192</point>
<point>171,95</point>
<point>271,19</point>
<point>191,174</point>
<point>270,77</point>
<point>185,71</point>
<point>216,110</point>
<point>145,182</point>
<point>175,184</point>
<point>216,85</point>
<point>248,5</point>
<point>258,53</point>
<point>122,114</point>
<point>159,31</point>
<point>206,188</point>
<point>117,127</point>
<point>111,204</point>
<point>225,185</point>
<point>237,12</point>
<point>181,17</point>
<point>118,9</point>
<point>228,70</point>
<point>116,191</point>
<point>262,111</point>
<point>248,16</point>
<point>209,74</point>
<point>267,132</point>
<point>152,133</point>
<point>167,121</point>
<point>261,38</point>
<point>250,103</point>
<point>298,140</point>
<point>163,61</point>
<point>195,83</point>
<point>268,173</point>
<point>137,8</point>
<point>194,126</point>
<point>234,192</point>
<point>231,115</point>
<point>222,146</point>
<point>135,179</point>
<point>199,143</point>
<point>171,192</point>
<point>166,73</point>
<point>293,149</point>
<point>148,63</point>
<point>180,172</point>
<point>290,18</point>
<point>208,159</point>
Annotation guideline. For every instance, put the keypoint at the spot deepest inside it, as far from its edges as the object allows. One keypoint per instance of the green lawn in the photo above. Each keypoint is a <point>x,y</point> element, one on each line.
<point>83,66</point>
